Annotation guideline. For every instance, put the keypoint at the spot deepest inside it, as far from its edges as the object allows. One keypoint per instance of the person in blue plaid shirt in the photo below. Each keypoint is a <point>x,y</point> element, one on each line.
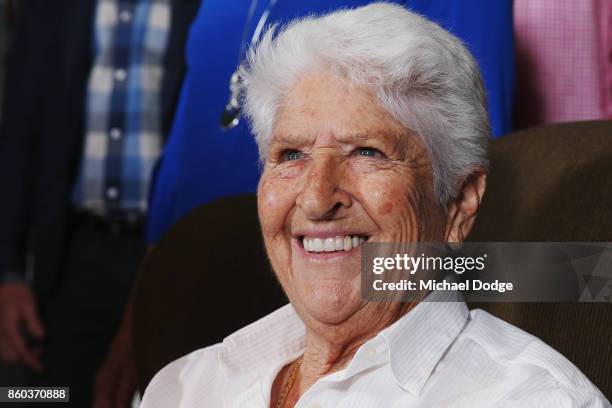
<point>123,130</point>
<point>91,87</point>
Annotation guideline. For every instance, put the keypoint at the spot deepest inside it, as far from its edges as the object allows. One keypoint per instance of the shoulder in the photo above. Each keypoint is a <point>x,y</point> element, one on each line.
<point>538,374</point>
<point>180,382</point>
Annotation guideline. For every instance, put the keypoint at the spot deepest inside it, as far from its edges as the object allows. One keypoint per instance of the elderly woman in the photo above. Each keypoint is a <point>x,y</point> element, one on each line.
<point>372,126</point>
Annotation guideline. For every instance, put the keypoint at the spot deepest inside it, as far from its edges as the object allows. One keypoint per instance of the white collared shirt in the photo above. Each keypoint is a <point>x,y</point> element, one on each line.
<point>438,355</point>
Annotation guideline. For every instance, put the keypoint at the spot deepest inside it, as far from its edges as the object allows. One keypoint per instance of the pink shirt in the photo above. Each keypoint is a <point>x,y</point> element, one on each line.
<point>564,60</point>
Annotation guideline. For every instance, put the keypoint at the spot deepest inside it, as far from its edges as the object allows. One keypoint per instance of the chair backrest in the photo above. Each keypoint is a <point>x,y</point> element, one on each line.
<point>554,183</point>
<point>208,277</point>
<point>547,184</point>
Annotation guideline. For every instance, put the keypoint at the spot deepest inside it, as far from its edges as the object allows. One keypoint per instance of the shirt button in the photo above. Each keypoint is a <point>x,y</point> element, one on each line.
<point>115,133</point>
<point>125,16</point>
<point>112,193</point>
<point>120,74</point>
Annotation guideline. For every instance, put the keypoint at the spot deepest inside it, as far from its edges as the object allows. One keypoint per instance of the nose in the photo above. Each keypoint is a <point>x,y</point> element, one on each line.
<point>322,197</point>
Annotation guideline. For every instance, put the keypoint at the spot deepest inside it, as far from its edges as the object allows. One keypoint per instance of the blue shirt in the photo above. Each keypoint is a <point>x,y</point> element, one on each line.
<point>201,162</point>
<point>123,137</point>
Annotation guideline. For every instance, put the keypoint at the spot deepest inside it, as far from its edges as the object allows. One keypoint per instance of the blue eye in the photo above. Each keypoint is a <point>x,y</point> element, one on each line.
<point>289,155</point>
<point>369,152</point>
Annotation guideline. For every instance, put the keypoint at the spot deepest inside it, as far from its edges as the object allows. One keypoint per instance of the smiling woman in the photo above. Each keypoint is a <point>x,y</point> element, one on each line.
<point>329,176</point>
<point>372,127</point>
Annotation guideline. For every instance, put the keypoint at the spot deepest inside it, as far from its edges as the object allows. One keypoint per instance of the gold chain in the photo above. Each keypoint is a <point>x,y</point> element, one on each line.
<point>289,384</point>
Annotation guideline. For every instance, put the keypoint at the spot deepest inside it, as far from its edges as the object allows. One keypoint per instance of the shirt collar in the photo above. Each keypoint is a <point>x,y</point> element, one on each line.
<point>270,341</point>
<point>418,341</point>
<point>415,343</point>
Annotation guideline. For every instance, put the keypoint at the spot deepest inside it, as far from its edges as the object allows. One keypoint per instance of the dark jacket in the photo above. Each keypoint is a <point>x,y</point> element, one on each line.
<point>42,125</point>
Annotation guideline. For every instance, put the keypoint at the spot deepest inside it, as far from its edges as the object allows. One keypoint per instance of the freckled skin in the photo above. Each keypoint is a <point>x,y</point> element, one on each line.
<point>387,197</point>
<point>329,183</point>
<point>386,208</point>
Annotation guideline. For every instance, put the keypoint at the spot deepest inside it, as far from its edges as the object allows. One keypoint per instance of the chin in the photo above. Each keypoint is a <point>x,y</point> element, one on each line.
<point>332,302</point>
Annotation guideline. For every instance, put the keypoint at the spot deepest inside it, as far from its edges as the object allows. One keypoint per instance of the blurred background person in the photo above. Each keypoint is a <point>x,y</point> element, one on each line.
<point>6,23</point>
<point>11,373</point>
<point>564,61</point>
<point>90,89</point>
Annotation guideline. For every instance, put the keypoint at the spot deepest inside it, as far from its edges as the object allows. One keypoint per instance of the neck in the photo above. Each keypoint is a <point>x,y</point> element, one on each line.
<point>330,348</point>
<point>321,357</point>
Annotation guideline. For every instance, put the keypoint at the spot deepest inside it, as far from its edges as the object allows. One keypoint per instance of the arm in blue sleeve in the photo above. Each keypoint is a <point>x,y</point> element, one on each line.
<point>495,53</point>
<point>162,197</point>
<point>486,28</point>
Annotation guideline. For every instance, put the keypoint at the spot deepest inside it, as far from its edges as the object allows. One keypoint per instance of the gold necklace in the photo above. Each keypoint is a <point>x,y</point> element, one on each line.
<point>290,382</point>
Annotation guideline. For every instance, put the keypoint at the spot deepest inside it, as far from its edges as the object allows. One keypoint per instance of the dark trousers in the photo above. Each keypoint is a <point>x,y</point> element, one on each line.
<point>83,315</point>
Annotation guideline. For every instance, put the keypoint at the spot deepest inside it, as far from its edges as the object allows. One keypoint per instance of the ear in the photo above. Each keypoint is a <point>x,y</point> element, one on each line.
<point>462,210</point>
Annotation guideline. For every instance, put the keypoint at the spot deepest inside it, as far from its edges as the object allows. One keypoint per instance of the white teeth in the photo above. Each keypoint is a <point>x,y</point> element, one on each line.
<point>348,243</point>
<point>331,244</point>
<point>339,244</point>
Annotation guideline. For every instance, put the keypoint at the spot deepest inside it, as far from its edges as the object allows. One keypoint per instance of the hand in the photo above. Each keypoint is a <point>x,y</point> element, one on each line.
<point>18,309</point>
<point>116,379</point>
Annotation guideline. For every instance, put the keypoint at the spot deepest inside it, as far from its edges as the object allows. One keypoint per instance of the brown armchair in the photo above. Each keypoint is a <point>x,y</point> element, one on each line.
<point>554,183</point>
<point>551,183</point>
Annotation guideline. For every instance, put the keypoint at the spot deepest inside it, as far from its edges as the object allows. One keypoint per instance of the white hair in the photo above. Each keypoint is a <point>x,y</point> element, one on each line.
<point>421,74</point>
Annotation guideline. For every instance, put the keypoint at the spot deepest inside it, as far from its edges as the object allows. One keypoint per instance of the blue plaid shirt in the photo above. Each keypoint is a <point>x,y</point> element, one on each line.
<point>123,126</point>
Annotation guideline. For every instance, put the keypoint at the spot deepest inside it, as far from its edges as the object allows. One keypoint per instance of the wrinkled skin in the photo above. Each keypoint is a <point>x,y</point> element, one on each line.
<point>338,164</point>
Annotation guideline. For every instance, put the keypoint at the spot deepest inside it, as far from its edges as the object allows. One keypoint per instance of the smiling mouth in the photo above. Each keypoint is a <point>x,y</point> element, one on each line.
<point>332,244</point>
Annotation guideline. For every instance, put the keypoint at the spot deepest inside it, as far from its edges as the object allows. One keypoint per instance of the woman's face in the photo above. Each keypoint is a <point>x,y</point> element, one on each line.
<point>340,171</point>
